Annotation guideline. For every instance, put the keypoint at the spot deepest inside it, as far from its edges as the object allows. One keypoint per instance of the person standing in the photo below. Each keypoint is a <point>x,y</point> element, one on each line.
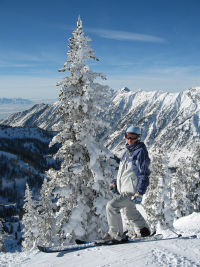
<point>131,184</point>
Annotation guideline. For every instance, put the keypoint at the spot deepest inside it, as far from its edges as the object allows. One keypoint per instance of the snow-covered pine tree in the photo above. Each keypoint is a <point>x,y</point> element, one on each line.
<point>195,174</point>
<point>150,202</point>
<point>186,184</point>
<point>158,197</point>
<point>30,221</point>
<point>179,183</point>
<point>81,184</point>
<point>2,247</point>
<point>46,217</point>
<point>166,216</point>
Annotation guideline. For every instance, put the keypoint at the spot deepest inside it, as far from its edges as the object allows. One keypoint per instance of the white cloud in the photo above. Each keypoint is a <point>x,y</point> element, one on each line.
<point>123,35</point>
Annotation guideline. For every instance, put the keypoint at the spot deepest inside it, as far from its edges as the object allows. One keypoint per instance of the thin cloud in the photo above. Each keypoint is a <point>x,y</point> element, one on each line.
<point>175,70</point>
<point>19,59</point>
<point>19,56</point>
<point>10,64</point>
<point>128,36</point>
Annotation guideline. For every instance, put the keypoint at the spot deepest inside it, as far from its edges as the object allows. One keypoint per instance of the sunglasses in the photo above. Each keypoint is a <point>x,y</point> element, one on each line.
<point>131,138</point>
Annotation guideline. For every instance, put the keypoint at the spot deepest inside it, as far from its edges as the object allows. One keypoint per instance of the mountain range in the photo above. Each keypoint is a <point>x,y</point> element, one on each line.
<point>40,115</point>
<point>20,101</point>
<point>167,120</point>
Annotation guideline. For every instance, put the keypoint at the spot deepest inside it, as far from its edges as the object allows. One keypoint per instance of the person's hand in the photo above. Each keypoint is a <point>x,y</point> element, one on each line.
<point>113,187</point>
<point>137,198</point>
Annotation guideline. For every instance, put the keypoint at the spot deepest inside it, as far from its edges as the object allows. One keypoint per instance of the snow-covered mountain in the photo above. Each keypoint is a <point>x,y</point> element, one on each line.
<point>19,100</point>
<point>40,115</point>
<point>24,156</point>
<point>168,120</point>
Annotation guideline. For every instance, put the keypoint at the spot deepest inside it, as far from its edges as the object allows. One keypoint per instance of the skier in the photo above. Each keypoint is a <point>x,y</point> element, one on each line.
<point>132,182</point>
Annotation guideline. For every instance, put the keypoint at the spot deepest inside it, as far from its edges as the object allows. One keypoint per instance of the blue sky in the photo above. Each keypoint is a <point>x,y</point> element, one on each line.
<point>146,44</point>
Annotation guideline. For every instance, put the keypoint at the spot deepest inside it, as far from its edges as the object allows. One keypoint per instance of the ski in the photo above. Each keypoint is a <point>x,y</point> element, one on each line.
<point>68,248</point>
<point>102,242</point>
<point>90,244</point>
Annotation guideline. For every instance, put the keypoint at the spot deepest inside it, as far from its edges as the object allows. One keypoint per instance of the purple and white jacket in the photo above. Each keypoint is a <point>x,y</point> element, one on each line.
<point>133,173</point>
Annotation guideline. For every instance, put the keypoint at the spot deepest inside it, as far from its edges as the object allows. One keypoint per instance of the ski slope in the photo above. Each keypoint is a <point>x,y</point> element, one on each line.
<point>174,252</point>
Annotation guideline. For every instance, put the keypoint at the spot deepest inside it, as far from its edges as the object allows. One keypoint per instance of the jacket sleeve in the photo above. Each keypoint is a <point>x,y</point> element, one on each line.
<point>143,163</point>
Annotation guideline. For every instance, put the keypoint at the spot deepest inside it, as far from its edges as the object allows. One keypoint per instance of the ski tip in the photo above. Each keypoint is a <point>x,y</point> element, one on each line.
<point>152,234</point>
<point>79,242</point>
<point>41,248</point>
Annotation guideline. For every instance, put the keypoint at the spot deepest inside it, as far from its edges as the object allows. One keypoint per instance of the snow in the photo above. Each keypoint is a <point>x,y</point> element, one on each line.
<point>174,252</point>
<point>190,223</point>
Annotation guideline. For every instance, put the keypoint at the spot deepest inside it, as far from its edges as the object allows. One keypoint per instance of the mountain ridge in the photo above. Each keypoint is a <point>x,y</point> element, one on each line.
<point>18,100</point>
<point>170,120</point>
<point>162,117</point>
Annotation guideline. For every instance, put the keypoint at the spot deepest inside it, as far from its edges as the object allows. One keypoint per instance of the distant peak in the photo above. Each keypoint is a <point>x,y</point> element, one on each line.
<point>125,89</point>
<point>195,89</point>
<point>18,100</point>
<point>194,94</point>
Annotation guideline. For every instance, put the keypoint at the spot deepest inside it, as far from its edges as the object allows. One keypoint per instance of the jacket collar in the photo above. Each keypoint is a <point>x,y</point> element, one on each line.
<point>132,147</point>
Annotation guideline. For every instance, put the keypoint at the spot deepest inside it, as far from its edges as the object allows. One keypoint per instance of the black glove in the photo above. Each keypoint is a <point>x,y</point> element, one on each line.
<point>113,187</point>
<point>137,198</point>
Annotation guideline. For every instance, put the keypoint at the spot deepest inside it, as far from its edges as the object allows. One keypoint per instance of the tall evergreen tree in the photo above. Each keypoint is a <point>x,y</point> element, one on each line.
<point>158,197</point>
<point>186,184</point>
<point>30,221</point>
<point>2,247</point>
<point>180,182</point>
<point>166,214</point>
<point>195,184</point>
<point>81,184</point>
<point>46,219</point>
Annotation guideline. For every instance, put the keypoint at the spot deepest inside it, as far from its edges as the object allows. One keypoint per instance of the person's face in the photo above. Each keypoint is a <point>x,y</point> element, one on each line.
<point>131,138</point>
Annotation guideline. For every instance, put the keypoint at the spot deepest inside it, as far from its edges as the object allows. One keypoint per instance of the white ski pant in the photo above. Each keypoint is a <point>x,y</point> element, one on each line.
<point>114,218</point>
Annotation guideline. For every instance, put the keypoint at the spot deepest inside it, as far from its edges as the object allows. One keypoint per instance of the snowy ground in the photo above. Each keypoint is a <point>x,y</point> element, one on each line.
<point>174,252</point>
